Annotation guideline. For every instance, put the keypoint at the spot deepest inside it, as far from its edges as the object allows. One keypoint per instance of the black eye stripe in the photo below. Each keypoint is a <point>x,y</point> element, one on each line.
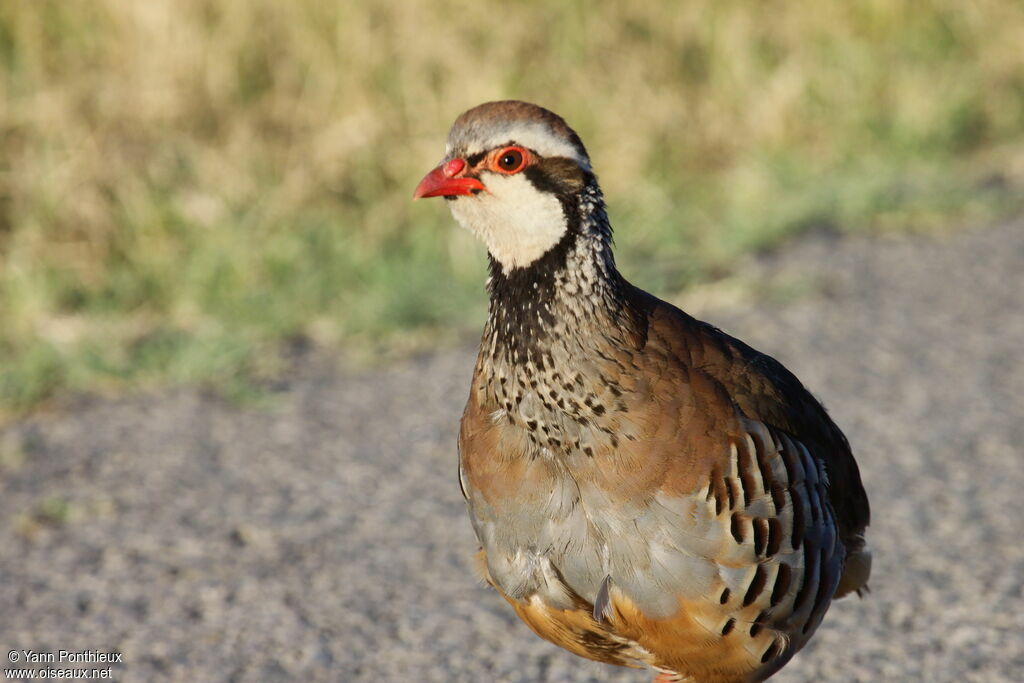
<point>557,175</point>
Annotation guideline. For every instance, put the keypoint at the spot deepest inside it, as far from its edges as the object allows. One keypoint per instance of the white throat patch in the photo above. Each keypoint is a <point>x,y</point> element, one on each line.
<point>516,221</point>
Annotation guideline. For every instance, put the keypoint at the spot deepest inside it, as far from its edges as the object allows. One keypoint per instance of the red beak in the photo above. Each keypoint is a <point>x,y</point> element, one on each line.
<point>443,181</point>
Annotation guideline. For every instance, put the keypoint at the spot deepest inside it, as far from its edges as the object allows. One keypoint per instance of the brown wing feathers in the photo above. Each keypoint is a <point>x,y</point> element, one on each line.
<point>764,390</point>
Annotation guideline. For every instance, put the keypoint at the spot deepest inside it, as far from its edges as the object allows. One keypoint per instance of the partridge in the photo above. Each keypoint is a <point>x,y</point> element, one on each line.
<point>646,489</point>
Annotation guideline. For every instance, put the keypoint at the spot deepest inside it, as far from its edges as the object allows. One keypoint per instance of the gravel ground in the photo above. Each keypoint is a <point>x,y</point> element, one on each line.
<point>324,537</point>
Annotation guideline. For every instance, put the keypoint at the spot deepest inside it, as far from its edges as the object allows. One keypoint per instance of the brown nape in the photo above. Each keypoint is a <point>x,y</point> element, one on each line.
<point>615,450</point>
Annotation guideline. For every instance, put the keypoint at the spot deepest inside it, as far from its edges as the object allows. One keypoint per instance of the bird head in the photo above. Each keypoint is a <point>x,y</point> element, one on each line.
<point>512,173</point>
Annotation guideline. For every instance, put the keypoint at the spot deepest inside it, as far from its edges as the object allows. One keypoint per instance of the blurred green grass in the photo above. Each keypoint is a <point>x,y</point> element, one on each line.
<point>186,185</point>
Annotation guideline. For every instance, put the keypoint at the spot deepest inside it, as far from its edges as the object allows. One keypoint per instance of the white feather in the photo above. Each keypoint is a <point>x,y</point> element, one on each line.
<point>516,221</point>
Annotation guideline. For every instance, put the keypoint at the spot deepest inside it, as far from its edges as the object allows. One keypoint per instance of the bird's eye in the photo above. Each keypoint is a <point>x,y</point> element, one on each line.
<point>510,160</point>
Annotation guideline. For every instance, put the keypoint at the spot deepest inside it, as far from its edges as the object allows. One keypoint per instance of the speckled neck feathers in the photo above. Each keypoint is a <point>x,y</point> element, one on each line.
<point>570,292</point>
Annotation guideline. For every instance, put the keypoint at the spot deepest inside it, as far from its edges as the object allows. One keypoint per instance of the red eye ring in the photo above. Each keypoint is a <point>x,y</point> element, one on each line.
<point>510,160</point>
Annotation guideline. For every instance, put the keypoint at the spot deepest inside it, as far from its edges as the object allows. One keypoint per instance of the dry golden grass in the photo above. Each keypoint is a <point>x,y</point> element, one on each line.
<point>185,183</point>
